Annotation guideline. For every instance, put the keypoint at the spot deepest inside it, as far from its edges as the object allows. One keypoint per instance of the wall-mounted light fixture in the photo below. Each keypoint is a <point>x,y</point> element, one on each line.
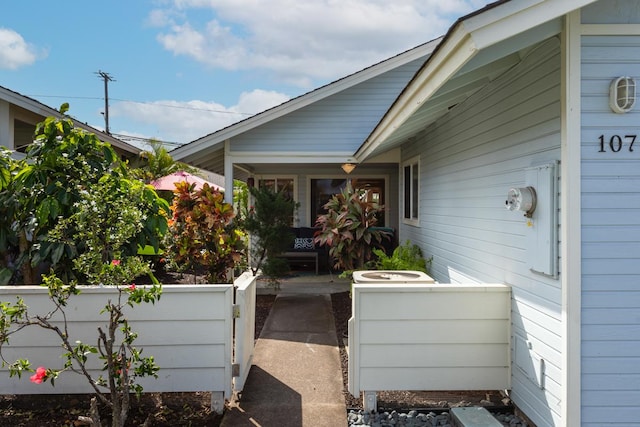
<point>348,167</point>
<point>622,94</point>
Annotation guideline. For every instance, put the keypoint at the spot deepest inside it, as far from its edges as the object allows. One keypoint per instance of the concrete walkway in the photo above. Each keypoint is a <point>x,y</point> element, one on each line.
<point>296,377</point>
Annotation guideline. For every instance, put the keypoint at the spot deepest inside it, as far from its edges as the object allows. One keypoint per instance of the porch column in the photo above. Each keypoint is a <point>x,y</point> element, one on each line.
<point>571,278</point>
<point>228,173</point>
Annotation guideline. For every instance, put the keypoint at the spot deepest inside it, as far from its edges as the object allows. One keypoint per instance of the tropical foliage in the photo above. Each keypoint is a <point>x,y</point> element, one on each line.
<point>269,222</point>
<point>405,257</point>
<point>73,207</point>
<point>61,165</point>
<point>348,228</point>
<point>202,233</point>
<point>156,163</point>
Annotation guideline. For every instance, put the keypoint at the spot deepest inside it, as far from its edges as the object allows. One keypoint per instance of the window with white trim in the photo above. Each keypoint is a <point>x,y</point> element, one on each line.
<point>276,184</point>
<point>411,199</point>
<point>286,185</point>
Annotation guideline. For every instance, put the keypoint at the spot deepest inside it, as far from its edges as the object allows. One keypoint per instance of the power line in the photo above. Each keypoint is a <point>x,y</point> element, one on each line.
<point>147,140</point>
<point>144,103</point>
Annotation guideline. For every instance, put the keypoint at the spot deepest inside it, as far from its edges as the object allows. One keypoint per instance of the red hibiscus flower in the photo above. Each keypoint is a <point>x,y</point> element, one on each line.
<point>39,376</point>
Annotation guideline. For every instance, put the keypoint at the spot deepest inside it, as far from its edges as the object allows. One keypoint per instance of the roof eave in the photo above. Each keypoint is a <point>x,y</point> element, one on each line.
<point>464,40</point>
<point>457,49</point>
<point>41,109</point>
<point>304,100</point>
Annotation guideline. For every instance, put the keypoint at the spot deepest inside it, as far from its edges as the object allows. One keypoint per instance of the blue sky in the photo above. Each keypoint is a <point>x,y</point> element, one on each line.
<point>185,68</point>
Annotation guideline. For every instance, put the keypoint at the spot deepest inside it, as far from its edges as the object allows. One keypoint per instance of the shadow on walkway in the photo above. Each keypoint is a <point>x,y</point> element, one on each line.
<point>296,377</point>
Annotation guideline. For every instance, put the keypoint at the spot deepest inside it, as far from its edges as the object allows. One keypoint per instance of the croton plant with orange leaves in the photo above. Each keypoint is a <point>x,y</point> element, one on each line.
<point>202,232</point>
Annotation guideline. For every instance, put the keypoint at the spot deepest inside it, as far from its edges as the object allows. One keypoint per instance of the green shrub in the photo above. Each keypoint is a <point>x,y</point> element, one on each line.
<point>348,228</point>
<point>404,257</point>
<point>269,223</point>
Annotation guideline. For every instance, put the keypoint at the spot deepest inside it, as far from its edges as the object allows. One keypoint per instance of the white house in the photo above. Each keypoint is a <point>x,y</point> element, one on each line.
<point>301,145</point>
<point>521,98</point>
<point>20,114</point>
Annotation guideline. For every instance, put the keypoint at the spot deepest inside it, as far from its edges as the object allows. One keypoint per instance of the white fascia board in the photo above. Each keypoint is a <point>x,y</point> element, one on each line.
<point>463,43</point>
<point>309,98</point>
<point>291,158</point>
<point>450,58</point>
<point>27,103</point>
<point>195,149</point>
<point>500,23</point>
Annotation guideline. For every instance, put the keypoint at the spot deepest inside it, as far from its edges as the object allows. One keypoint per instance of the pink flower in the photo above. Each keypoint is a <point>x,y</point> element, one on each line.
<point>39,376</point>
<point>132,287</point>
<point>115,262</point>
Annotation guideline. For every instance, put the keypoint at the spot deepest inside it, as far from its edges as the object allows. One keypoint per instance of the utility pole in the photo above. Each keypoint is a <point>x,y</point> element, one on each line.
<point>107,78</point>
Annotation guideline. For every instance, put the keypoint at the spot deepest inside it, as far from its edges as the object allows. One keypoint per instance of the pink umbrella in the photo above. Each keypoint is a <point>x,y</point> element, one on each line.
<point>169,182</point>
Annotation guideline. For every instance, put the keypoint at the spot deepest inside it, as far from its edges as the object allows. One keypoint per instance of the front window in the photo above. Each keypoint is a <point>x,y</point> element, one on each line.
<point>278,184</point>
<point>323,189</point>
<point>411,177</point>
<point>284,185</point>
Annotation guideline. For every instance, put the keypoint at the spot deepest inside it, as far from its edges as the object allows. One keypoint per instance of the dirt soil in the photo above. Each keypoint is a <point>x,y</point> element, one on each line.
<point>193,409</point>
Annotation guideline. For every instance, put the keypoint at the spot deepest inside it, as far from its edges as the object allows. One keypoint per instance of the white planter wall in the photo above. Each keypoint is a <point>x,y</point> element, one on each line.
<point>429,337</point>
<point>189,332</point>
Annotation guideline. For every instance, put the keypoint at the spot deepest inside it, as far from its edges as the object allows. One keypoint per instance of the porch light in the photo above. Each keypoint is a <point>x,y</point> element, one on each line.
<point>622,94</point>
<point>348,167</point>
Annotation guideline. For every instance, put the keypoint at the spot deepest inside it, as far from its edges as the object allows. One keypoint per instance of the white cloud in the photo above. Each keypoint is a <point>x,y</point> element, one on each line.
<point>15,52</point>
<point>301,41</point>
<point>185,121</point>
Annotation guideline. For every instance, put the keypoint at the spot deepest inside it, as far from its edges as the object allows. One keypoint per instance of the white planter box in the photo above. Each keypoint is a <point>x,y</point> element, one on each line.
<point>188,332</point>
<point>429,337</point>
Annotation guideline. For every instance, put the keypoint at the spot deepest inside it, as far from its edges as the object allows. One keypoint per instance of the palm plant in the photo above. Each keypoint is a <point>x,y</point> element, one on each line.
<point>157,162</point>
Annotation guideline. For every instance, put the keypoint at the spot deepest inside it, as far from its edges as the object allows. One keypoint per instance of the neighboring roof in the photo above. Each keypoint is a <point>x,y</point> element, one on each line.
<point>214,141</point>
<point>43,110</point>
<point>168,182</point>
<point>477,48</point>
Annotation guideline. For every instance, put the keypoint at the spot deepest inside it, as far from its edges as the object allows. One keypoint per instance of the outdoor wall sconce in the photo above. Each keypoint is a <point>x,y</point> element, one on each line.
<point>348,167</point>
<point>522,199</point>
<point>622,94</point>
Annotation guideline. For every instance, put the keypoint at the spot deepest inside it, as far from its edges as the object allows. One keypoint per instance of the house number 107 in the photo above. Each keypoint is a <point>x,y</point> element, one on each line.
<point>616,143</point>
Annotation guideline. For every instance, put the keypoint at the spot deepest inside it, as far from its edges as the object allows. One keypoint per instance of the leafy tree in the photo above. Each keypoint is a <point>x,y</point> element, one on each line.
<point>9,167</point>
<point>202,232</point>
<point>347,228</point>
<point>107,216</point>
<point>269,222</point>
<point>62,163</point>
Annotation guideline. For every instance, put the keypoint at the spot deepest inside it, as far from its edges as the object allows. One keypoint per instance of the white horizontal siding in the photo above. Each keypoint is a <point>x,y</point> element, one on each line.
<point>338,123</point>
<point>610,233</point>
<point>429,337</point>
<point>468,161</point>
<point>188,332</point>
